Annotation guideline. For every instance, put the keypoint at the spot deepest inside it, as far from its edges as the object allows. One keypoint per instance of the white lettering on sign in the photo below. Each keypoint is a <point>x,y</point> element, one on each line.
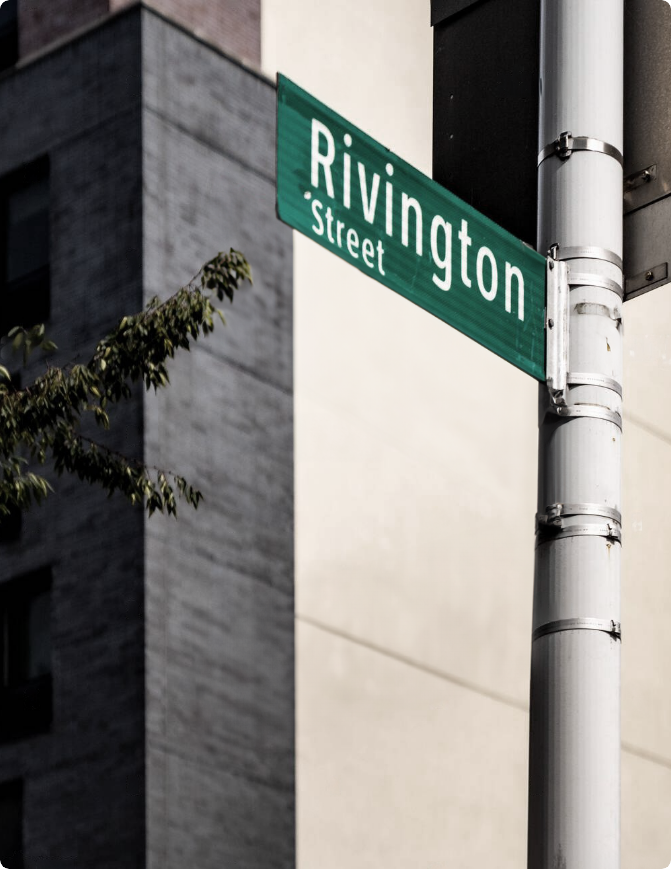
<point>344,236</point>
<point>389,211</point>
<point>325,162</point>
<point>369,203</point>
<point>514,272</point>
<point>489,294</point>
<point>347,173</point>
<point>465,244</point>
<point>407,203</point>
<point>444,260</point>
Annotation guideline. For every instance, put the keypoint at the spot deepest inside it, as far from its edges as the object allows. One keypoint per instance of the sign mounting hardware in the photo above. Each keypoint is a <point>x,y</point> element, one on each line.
<point>556,333</point>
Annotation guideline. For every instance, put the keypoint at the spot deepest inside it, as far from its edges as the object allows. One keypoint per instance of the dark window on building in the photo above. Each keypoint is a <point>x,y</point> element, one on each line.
<point>25,655</point>
<point>11,824</point>
<point>10,526</point>
<point>24,246</point>
<point>9,34</point>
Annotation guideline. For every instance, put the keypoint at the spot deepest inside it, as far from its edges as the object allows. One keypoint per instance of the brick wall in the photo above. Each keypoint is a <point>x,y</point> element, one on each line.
<point>41,23</point>
<point>232,25</point>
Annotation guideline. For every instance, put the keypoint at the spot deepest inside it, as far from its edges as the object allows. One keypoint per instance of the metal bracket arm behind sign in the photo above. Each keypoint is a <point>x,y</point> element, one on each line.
<point>556,327</point>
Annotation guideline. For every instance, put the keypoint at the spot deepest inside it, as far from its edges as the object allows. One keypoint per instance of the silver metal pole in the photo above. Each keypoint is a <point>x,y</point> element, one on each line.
<point>574,758</point>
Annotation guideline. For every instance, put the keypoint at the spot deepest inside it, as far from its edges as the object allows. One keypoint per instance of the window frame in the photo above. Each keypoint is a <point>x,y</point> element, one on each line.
<point>26,705</point>
<point>38,282</point>
<point>9,35</point>
<point>11,526</point>
<point>14,788</point>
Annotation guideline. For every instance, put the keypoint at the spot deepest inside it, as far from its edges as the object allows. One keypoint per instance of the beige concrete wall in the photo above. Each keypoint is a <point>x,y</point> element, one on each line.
<point>415,493</point>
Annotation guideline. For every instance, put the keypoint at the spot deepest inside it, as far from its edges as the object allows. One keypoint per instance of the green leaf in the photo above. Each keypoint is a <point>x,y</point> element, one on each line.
<point>43,420</point>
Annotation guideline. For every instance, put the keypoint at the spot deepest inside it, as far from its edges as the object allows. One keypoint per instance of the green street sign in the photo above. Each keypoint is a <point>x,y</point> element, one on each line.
<point>359,200</point>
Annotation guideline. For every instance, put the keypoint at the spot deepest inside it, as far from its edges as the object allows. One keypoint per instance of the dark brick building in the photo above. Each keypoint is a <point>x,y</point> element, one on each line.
<point>147,693</point>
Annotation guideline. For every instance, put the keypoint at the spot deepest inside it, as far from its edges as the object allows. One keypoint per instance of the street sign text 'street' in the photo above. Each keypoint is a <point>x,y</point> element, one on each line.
<point>355,197</point>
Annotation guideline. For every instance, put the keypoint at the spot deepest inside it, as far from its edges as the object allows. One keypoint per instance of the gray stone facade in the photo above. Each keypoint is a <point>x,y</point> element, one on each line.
<point>172,742</point>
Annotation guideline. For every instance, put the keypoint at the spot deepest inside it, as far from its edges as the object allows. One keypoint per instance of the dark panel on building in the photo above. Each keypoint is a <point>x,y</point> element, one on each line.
<point>485,115</point>
<point>443,9</point>
<point>485,120</point>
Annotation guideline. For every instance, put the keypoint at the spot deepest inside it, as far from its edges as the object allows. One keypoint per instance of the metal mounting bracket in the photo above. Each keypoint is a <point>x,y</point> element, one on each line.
<point>556,326</point>
<point>638,179</point>
<point>645,281</point>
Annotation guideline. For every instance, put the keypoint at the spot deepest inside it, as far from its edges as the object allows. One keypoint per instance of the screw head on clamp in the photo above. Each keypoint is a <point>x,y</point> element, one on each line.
<point>563,145</point>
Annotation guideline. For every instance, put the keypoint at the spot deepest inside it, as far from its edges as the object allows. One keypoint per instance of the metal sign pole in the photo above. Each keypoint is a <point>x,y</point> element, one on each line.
<point>574,759</point>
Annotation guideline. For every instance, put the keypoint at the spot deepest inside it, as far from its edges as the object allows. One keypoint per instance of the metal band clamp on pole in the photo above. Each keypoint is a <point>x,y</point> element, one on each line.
<point>577,279</point>
<point>553,524</point>
<point>608,530</point>
<point>566,143</point>
<point>578,378</point>
<point>554,513</point>
<point>591,252</point>
<point>594,411</point>
<point>608,627</point>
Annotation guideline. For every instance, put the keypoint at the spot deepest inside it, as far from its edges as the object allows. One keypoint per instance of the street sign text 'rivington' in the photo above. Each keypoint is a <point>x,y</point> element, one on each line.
<point>355,197</point>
